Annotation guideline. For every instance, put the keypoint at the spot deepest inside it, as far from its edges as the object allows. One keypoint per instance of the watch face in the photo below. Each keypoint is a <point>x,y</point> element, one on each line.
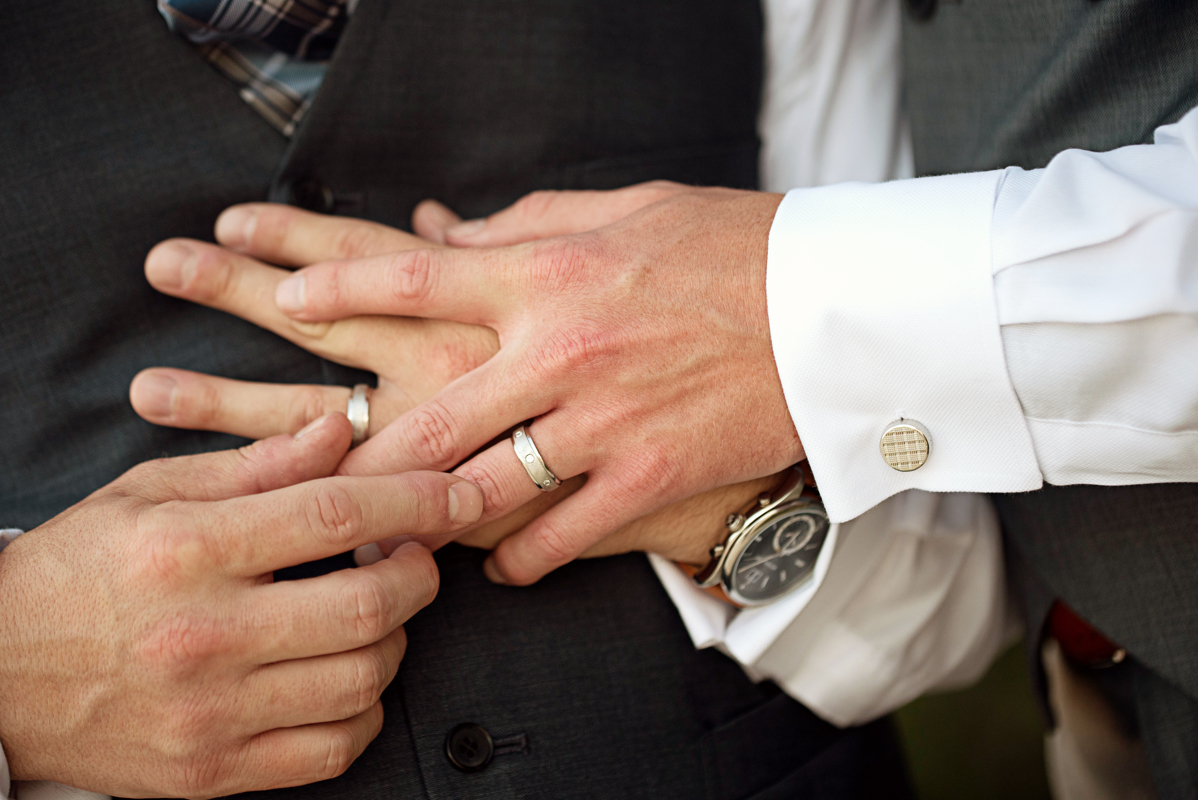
<point>780,557</point>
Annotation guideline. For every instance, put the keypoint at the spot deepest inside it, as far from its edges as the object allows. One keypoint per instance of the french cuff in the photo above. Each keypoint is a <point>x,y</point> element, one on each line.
<point>881,309</point>
<point>743,634</point>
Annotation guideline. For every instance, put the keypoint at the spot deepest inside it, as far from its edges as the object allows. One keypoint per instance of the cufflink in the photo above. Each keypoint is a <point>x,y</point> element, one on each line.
<point>905,445</point>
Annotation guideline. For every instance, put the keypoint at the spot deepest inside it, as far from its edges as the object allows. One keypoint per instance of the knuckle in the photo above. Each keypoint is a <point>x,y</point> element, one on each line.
<point>147,473</point>
<point>335,514</point>
<point>199,404</point>
<point>307,404</point>
<point>170,548</point>
<point>555,544</point>
<point>565,260</point>
<point>423,578</point>
<point>535,205</point>
<point>499,495</point>
<point>576,347</point>
<point>411,275</point>
<point>367,607</point>
<point>370,678</point>
<point>651,471</point>
<point>181,644</point>
<point>658,189</point>
<point>201,776</point>
<point>341,753</point>
<point>460,351</point>
<point>431,436</point>
<point>355,240</point>
<point>216,277</point>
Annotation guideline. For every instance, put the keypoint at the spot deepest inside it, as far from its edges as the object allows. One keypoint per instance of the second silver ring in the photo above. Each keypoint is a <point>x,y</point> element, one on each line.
<point>530,457</point>
<point>358,411</point>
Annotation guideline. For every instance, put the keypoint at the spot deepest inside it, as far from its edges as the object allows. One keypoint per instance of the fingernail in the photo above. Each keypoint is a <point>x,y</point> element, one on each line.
<point>290,294</point>
<point>465,502</point>
<point>171,266</point>
<point>311,426</point>
<point>368,554</point>
<point>467,229</point>
<point>492,572</point>
<point>235,227</point>
<point>157,395</point>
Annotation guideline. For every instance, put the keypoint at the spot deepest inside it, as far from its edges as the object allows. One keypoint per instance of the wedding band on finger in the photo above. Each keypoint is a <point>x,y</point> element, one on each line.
<point>530,457</point>
<point>358,411</point>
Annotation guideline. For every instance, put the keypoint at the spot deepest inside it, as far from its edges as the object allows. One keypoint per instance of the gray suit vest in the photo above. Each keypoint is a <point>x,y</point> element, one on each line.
<point>114,135</point>
<point>996,83</point>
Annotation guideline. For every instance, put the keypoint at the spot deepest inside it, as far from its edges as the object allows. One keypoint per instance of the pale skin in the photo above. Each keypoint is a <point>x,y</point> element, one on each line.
<point>413,358</point>
<point>640,349</point>
<point>146,651</point>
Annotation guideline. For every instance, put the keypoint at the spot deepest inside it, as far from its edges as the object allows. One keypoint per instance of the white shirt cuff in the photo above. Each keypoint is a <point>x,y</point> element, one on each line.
<point>909,598</point>
<point>881,308</point>
<point>743,634</point>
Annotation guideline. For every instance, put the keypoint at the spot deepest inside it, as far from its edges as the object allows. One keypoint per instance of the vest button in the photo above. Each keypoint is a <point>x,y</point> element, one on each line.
<point>311,194</point>
<point>469,747</point>
<point>921,10</point>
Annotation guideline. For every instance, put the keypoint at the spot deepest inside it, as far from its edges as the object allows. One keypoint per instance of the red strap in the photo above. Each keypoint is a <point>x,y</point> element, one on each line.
<point>1080,642</point>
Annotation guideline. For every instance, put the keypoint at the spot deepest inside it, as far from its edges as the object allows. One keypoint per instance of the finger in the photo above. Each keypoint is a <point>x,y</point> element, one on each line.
<point>297,756</point>
<point>488,535</point>
<point>474,286</point>
<point>342,611</point>
<point>684,531</point>
<point>544,214</point>
<point>264,466</point>
<point>562,534</point>
<point>444,431</point>
<point>324,688</point>
<point>192,400</point>
<point>431,219</point>
<point>506,485</point>
<point>292,237</point>
<point>220,279</point>
<point>254,535</point>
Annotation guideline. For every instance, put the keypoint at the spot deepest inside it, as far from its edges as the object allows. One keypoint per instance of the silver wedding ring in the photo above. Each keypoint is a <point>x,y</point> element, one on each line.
<point>534,465</point>
<point>358,411</point>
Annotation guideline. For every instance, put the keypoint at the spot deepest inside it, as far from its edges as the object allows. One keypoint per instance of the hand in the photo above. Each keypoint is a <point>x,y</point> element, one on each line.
<point>642,350</point>
<point>422,357</point>
<point>145,650</point>
<point>413,358</point>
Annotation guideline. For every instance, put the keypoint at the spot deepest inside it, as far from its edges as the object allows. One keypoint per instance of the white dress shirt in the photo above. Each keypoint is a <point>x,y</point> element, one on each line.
<point>908,596</point>
<point>1042,325</point>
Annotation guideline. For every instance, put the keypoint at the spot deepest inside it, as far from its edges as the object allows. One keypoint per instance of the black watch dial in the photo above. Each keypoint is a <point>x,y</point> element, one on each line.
<point>781,556</point>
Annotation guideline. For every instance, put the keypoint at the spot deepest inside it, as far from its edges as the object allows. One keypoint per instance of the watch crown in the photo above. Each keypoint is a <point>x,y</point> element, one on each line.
<point>734,521</point>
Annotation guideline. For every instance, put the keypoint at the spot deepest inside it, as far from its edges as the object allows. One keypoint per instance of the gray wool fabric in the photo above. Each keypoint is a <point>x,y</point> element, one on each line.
<point>114,135</point>
<point>996,83</point>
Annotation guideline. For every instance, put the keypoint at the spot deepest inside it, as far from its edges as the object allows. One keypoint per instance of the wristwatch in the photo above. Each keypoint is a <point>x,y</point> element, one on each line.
<point>772,545</point>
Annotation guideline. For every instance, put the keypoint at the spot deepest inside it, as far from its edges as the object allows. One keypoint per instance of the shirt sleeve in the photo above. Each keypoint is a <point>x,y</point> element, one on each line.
<point>906,599</point>
<point>1038,324</point>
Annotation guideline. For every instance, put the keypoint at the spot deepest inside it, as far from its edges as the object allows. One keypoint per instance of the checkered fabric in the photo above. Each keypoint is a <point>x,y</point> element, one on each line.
<point>275,51</point>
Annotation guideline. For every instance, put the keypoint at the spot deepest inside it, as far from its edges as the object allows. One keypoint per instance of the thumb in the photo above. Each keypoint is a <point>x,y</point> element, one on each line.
<point>545,214</point>
<point>263,466</point>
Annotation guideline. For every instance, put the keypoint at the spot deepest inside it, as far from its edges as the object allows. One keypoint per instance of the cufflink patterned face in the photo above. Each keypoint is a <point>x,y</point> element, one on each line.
<point>905,445</point>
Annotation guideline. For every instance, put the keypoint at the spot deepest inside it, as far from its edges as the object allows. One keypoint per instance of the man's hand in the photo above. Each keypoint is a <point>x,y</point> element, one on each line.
<point>413,358</point>
<point>145,650</point>
<point>641,350</point>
